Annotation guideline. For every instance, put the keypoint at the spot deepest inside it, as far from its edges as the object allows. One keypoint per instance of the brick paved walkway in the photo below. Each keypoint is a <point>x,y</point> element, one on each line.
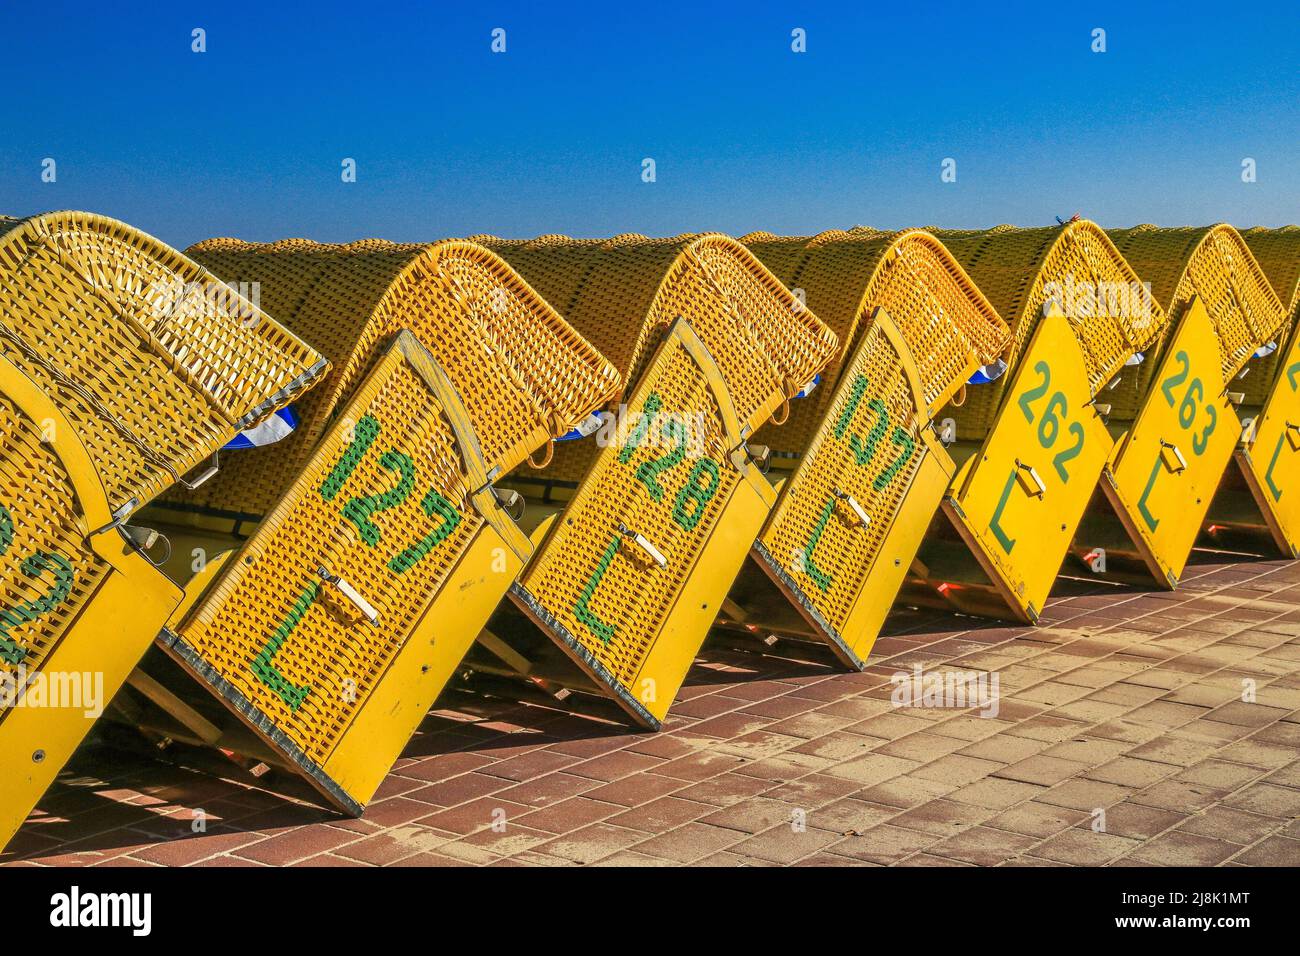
<point>1122,701</point>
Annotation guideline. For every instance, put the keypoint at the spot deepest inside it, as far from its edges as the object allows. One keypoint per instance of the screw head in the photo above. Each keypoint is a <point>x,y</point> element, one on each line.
<point>38,756</point>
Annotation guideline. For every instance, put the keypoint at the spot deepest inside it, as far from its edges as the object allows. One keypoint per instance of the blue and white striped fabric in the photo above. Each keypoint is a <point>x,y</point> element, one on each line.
<point>587,426</point>
<point>808,389</point>
<point>988,373</point>
<point>278,426</point>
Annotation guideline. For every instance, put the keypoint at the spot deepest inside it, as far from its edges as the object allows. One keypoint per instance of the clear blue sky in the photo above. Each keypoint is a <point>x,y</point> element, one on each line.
<point>451,139</point>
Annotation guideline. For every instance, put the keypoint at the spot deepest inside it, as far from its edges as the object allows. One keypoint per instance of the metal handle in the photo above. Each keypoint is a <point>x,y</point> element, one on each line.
<point>644,544</point>
<point>511,501</point>
<point>851,502</point>
<point>352,594</point>
<point>204,475</point>
<point>1179,462</point>
<point>1030,480</point>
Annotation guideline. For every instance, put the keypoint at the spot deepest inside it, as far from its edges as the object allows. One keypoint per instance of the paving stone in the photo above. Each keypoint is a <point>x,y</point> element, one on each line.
<point>1083,847</point>
<point>1122,701</point>
<point>1180,848</point>
<point>1036,819</point>
<point>782,844</point>
<point>690,842</point>
<point>1235,826</point>
<point>1267,799</point>
<point>1042,770</point>
<point>1275,851</point>
<point>942,817</point>
<point>884,845</point>
<point>1141,823</point>
<point>982,846</point>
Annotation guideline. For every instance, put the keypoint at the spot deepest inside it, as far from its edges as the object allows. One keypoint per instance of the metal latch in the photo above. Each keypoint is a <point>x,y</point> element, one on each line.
<point>642,542</point>
<point>1030,480</point>
<point>760,456</point>
<point>142,541</point>
<point>863,518</point>
<point>1172,457</point>
<point>511,501</point>
<point>352,594</point>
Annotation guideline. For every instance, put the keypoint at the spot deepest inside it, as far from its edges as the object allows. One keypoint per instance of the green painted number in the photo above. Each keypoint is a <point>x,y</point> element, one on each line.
<point>1143,508</point>
<point>360,510</point>
<point>864,453</point>
<point>1049,426</point>
<point>263,665</point>
<point>701,485</point>
<point>1272,463</point>
<point>648,415</point>
<point>1201,442</point>
<point>819,577</point>
<point>851,406</point>
<point>27,611</point>
<point>1038,391</point>
<point>995,525</point>
<point>435,505</point>
<point>582,610</point>
<point>33,567</point>
<point>1055,413</point>
<point>907,444</point>
<point>1173,381</point>
<point>1070,453</point>
<point>648,471</point>
<point>1191,401</point>
<point>363,436</point>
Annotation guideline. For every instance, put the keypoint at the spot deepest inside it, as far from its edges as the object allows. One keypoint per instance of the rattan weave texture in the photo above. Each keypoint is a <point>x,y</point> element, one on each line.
<point>317,675</point>
<point>634,598</point>
<point>525,375</point>
<point>946,321</point>
<point>624,292</point>
<point>48,573</point>
<point>1020,270</point>
<point>1278,253</point>
<point>1214,263</point>
<point>152,360</point>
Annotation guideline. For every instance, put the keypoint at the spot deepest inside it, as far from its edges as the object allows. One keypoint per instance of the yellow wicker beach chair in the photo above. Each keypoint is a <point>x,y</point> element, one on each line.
<point>866,448</point>
<point>1033,443</point>
<point>650,519</point>
<point>386,541</point>
<point>1180,409</point>
<point>1257,505</point>
<point>124,367</point>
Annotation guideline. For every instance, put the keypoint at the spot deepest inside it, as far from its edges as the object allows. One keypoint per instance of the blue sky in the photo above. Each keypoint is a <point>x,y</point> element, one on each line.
<point>450,139</point>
